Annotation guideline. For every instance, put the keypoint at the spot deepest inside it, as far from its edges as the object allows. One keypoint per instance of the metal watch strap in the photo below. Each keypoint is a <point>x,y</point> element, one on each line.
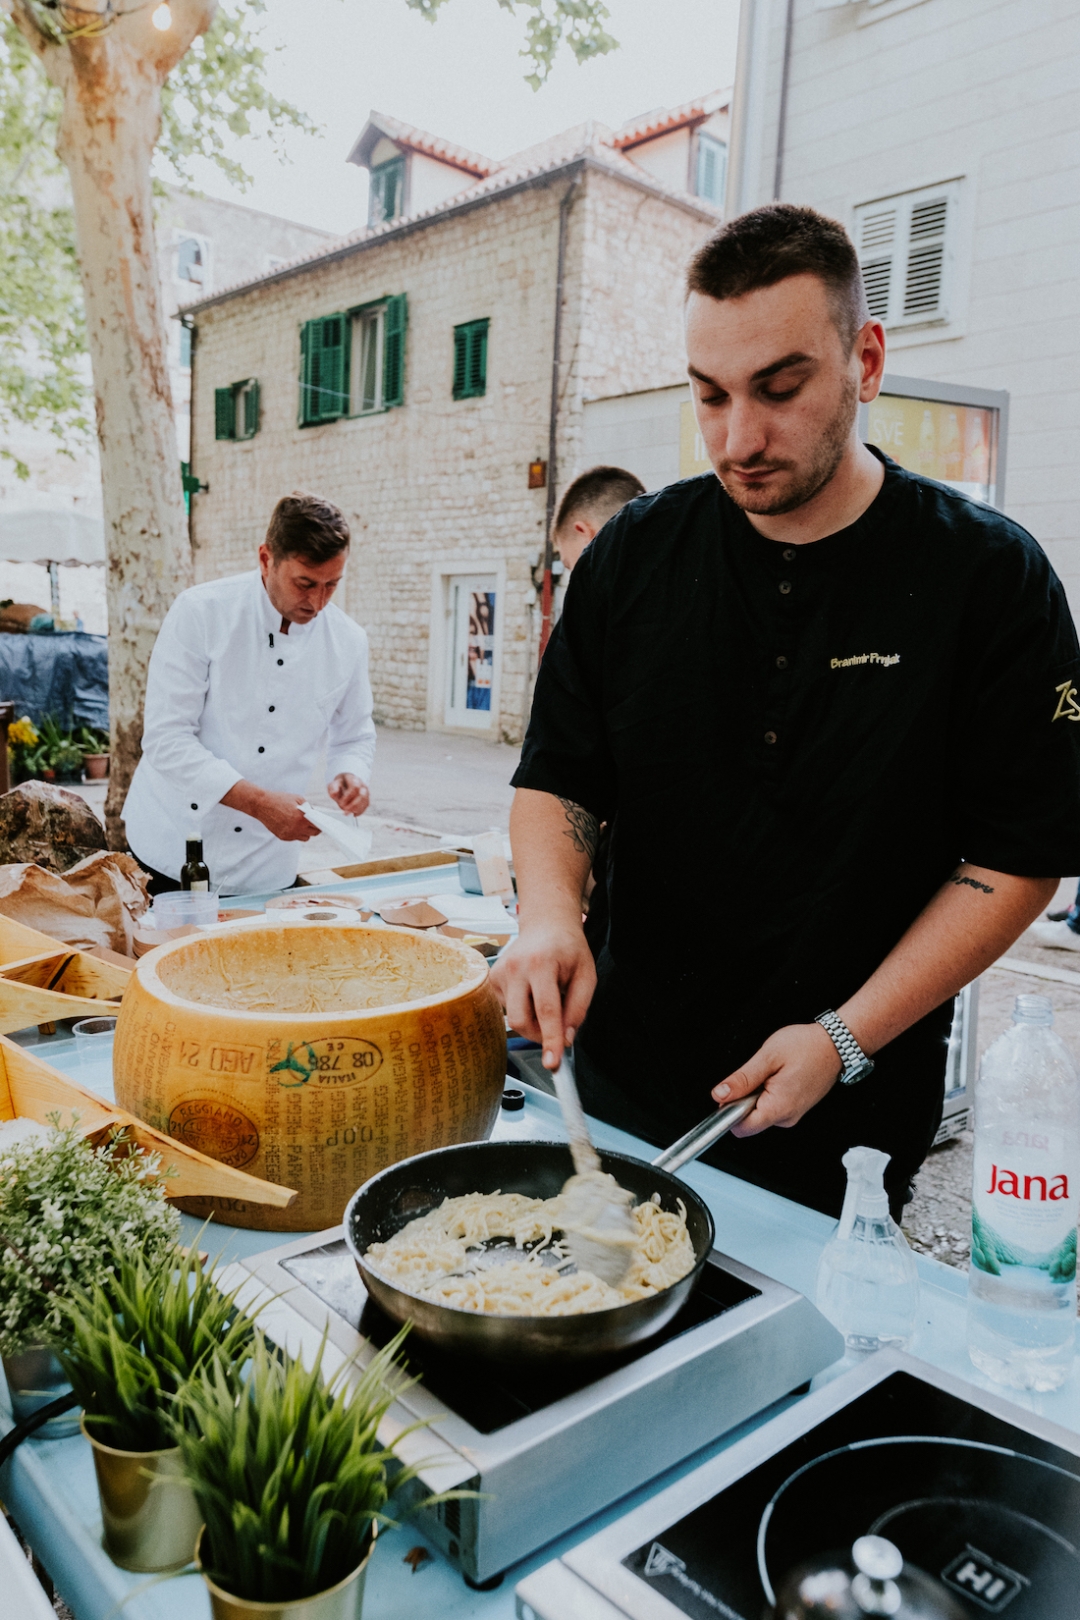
<point>856,1064</point>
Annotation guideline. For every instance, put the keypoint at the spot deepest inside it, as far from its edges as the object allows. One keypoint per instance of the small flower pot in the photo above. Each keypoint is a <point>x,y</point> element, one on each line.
<point>341,1602</point>
<point>96,766</point>
<point>34,1378</point>
<point>148,1508</point>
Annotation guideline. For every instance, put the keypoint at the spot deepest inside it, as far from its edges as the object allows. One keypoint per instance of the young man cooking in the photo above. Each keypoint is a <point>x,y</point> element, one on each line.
<point>249,676</point>
<point>818,699</point>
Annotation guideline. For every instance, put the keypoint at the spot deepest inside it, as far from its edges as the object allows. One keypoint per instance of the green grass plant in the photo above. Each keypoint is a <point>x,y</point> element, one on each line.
<point>138,1334</point>
<point>290,1477</point>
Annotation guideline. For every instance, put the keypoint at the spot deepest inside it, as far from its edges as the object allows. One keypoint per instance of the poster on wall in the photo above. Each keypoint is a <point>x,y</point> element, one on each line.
<point>955,444</point>
<point>481,650</point>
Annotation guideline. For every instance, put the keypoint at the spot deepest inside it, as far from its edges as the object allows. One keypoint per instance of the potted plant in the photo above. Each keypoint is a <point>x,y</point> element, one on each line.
<point>95,752</point>
<point>133,1339</point>
<point>23,738</point>
<point>66,1207</point>
<point>292,1483</point>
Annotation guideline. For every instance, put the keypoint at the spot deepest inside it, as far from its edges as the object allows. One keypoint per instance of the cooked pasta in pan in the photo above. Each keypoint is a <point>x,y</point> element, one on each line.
<point>442,1257</point>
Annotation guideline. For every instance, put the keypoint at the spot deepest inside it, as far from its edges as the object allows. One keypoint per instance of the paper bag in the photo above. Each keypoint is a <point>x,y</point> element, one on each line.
<point>96,902</point>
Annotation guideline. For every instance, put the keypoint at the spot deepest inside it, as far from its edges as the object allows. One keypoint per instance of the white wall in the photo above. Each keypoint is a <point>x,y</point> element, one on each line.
<point>904,93</point>
<point>667,157</point>
<point>431,182</point>
<point>637,431</point>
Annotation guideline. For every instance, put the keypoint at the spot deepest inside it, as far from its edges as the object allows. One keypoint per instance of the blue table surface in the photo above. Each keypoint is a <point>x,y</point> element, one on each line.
<point>50,1490</point>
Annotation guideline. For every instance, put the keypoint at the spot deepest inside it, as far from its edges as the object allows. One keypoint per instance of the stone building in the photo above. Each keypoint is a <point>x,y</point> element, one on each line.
<point>945,136</point>
<point>406,374</point>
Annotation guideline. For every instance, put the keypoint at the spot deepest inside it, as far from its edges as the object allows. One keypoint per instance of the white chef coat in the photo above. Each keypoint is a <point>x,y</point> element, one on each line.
<point>228,697</point>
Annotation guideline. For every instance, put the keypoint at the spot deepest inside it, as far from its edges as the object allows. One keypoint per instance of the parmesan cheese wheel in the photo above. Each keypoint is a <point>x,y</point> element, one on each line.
<point>310,1056</point>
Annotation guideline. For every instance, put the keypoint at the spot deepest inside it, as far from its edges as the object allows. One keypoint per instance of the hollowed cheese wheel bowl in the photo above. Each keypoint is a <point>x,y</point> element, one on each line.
<point>311,1056</point>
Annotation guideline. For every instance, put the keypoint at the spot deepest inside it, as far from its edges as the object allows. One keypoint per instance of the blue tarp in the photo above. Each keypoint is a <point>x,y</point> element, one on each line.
<point>65,674</point>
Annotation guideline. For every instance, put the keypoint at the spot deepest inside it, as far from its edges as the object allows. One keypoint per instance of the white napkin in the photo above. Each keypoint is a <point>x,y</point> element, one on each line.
<point>347,831</point>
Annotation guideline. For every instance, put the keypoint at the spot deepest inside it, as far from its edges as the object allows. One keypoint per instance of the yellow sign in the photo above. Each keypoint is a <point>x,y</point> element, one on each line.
<point>952,443</point>
<point>692,457</point>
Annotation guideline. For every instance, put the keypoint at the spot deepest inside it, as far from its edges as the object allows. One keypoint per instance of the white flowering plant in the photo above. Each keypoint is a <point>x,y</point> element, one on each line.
<point>67,1209</point>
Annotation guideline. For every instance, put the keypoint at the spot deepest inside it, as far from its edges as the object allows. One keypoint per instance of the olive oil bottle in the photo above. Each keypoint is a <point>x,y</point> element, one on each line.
<point>195,874</point>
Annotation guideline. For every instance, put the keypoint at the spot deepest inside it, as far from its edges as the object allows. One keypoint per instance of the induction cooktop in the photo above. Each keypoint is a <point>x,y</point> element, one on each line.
<point>545,1447</point>
<point>972,1489</point>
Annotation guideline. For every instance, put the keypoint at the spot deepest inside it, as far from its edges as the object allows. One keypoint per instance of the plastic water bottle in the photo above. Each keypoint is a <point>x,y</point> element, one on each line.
<point>868,1285</point>
<point>1022,1281</point>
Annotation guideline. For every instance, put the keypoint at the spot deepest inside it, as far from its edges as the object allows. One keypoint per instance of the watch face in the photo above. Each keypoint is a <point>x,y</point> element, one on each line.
<point>857,1071</point>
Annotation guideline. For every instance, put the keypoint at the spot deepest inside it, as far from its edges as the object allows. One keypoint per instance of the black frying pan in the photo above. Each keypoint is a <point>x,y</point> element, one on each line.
<point>415,1186</point>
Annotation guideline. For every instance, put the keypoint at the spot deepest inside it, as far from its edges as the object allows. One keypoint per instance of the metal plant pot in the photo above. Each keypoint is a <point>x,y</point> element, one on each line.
<point>34,1378</point>
<point>147,1507</point>
<point>341,1602</point>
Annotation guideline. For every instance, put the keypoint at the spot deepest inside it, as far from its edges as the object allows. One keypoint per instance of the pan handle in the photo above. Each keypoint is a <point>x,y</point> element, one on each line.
<point>704,1135</point>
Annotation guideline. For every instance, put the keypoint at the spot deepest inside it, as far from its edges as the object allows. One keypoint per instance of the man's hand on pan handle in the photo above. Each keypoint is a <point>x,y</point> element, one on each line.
<point>797,1066</point>
<point>545,980</point>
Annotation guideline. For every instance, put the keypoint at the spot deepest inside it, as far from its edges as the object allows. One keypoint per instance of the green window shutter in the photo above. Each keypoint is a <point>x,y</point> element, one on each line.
<point>395,322</point>
<point>470,359</point>
<point>224,413</point>
<point>305,380</point>
<point>478,359</point>
<point>323,370</point>
<point>461,357</point>
<point>251,408</point>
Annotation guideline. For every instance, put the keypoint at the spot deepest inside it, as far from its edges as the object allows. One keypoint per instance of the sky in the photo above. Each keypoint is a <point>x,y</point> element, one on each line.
<point>460,77</point>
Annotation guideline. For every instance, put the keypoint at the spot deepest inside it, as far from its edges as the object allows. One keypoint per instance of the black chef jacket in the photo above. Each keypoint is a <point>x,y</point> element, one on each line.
<point>795,746</point>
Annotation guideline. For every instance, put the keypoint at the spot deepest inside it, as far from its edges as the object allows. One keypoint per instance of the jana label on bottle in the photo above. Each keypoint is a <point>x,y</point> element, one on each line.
<point>204,886</point>
<point>1024,1208</point>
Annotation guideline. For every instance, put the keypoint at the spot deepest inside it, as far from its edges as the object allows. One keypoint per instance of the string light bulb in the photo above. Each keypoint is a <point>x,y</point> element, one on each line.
<point>162,17</point>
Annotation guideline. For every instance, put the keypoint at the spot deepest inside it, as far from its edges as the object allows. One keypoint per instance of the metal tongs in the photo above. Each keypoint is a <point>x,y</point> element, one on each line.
<point>596,1211</point>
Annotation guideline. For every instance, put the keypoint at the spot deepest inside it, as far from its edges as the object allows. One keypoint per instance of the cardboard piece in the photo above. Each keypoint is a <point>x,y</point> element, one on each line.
<point>389,863</point>
<point>492,867</point>
<point>33,1089</point>
<point>412,914</point>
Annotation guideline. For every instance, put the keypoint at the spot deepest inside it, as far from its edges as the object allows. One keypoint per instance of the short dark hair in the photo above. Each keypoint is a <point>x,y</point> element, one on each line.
<point>766,245</point>
<point>307,526</point>
<point>600,489</point>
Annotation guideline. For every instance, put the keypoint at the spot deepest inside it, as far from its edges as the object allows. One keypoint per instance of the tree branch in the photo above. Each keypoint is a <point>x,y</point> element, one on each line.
<point>22,16</point>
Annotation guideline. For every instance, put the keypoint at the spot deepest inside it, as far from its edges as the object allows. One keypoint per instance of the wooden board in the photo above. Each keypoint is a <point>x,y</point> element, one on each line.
<point>389,863</point>
<point>17,942</point>
<point>33,1089</point>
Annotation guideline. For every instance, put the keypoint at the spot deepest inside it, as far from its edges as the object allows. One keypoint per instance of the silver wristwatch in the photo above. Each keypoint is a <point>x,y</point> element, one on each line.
<point>856,1063</point>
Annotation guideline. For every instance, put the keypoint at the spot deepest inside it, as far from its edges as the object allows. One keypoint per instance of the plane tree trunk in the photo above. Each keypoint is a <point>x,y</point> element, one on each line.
<point>111,78</point>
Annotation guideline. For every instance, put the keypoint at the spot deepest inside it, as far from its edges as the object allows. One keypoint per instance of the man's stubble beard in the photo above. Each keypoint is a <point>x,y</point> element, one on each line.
<point>828,454</point>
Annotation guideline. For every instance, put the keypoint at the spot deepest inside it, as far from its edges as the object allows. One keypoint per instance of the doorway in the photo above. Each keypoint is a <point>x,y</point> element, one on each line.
<point>472,611</point>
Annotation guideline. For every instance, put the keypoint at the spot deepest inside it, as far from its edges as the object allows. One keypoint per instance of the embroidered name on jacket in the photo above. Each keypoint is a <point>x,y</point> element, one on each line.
<point>1068,708</point>
<point>884,659</point>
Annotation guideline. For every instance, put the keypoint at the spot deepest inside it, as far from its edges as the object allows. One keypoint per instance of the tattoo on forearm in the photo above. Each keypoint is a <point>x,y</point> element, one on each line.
<point>584,828</point>
<point>959,878</point>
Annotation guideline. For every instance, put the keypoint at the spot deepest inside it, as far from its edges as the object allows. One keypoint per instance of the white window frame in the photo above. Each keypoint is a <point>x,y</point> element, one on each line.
<point>722,163</point>
<point>180,236</point>
<point>371,318</point>
<point>895,235</point>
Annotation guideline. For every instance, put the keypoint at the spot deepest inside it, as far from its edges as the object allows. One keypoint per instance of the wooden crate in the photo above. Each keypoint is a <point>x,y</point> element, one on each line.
<point>33,1089</point>
<point>42,981</point>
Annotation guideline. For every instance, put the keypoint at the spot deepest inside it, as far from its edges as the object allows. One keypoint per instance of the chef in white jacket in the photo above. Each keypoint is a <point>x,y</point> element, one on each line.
<point>249,677</point>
